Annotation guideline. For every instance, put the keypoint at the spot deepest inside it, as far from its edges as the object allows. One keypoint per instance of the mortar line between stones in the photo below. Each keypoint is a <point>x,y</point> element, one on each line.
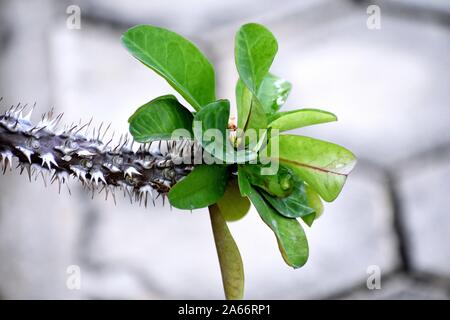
<point>398,223</point>
<point>346,292</point>
<point>399,226</point>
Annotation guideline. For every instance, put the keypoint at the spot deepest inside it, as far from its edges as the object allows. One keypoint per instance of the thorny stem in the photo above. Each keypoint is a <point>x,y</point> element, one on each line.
<point>43,150</point>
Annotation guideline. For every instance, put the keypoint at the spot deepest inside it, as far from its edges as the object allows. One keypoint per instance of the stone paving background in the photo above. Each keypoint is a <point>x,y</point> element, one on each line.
<point>389,87</point>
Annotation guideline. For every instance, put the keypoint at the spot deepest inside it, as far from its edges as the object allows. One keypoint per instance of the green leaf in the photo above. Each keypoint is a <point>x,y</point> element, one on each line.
<point>210,125</point>
<point>157,119</point>
<point>212,116</point>
<point>322,165</point>
<point>255,49</point>
<point>215,116</point>
<point>230,260</point>
<point>244,184</point>
<point>289,120</point>
<point>315,203</point>
<point>251,113</point>
<point>243,102</point>
<point>291,238</point>
<point>257,118</point>
<point>273,93</point>
<point>309,219</point>
<point>294,205</point>
<point>204,186</point>
<point>176,59</point>
<point>232,205</point>
<point>279,185</point>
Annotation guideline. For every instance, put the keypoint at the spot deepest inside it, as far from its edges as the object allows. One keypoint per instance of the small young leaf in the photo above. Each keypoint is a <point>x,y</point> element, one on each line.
<point>255,49</point>
<point>257,118</point>
<point>289,120</point>
<point>244,184</point>
<point>232,205</point>
<point>215,116</point>
<point>273,93</point>
<point>243,102</point>
<point>157,119</point>
<point>294,205</point>
<point>278,185</point>
<point>230,259</point>
<point>176,59</point>
<point>322,165</point>
<point>251,113</point>
<point>204,186</point>
<point>315,203</point>
<point>291,238</point>
<point>309,219</point>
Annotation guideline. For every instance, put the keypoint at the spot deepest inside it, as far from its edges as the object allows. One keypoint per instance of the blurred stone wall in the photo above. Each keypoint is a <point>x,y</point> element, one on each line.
<point>389,87</point>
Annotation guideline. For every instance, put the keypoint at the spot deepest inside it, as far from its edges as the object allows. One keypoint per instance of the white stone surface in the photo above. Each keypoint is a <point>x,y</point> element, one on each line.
<point>400,287</point>
<point>39,232</point>
<point>24,51</point>
<point>38,228</point>
<point>95,76</point>
<point>188,16</point>
<point>424,187</point>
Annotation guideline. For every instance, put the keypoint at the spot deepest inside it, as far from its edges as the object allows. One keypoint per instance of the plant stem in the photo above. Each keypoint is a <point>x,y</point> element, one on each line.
<point>230,261</point>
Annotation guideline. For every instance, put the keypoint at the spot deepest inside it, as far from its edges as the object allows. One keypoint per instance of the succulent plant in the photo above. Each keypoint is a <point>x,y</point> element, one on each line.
<point>199,159</point>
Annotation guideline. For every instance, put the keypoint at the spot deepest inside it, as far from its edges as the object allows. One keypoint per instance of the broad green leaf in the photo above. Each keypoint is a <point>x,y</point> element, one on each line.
<point>255,49</point>
<point>278,185</point>
<point>322,165</point>
<point>176,59</point>
<point>315,203</point>
<point>159,118</point>
<point>294,205</point>
<point>204,186</point>
<point>243,102</point>
<point>214,115</point>
<point>291,238</point>
<point>251,113</point>
<point>273,93</point>
<point>210,125</point>
<point>289,120</point>
<point>230,260</point>
<point>257,118</point>
<point>244,184</point>
<point>232,205</point>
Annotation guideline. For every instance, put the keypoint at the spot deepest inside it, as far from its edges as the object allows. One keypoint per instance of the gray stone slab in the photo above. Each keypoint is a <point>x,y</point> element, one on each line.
<point>189,17</point>
<point>38,228</point>
<point>94,76</point>
<point>424,187</point>
<point>39,233</point>
<point>401,287</point>
<point>24,54</point>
